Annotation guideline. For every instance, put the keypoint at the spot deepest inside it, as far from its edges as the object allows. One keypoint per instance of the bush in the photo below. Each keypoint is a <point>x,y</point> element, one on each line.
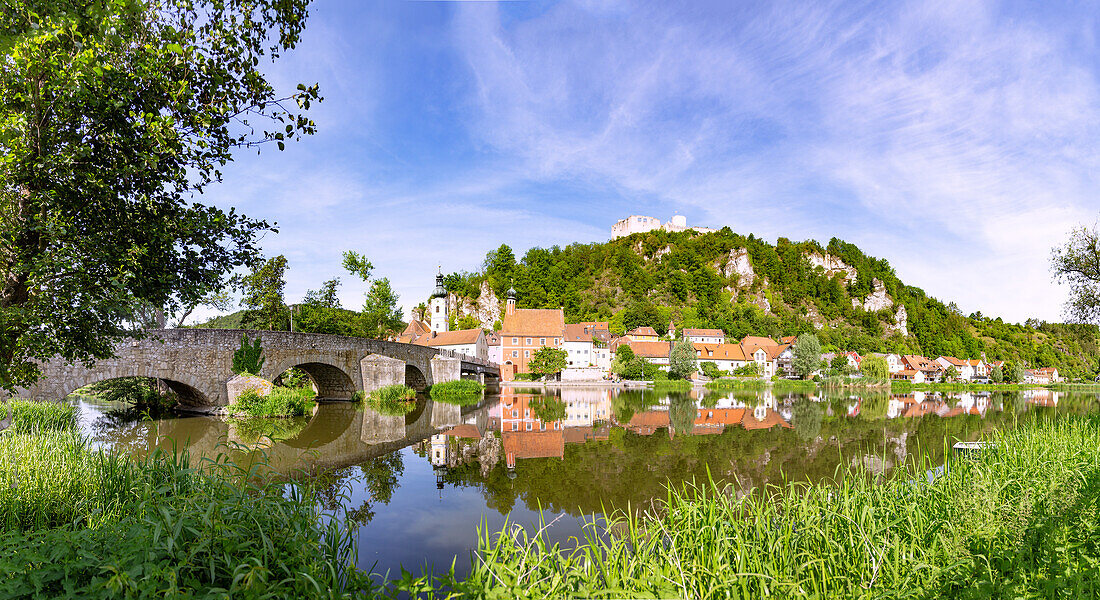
<point>281,402</point>
<point>459,391</point>
<point>142,392</point>
<point>711,370</point>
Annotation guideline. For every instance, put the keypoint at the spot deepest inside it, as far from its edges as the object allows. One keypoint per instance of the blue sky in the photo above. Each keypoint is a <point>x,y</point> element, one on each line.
<point>956,139</point>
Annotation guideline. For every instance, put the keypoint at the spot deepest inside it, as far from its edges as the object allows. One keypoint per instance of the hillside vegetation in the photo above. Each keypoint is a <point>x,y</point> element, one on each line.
<point>747,286</point>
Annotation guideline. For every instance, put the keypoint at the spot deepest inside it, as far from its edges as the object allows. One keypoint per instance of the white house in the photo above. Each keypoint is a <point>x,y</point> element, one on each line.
<point>727,357</point>
<point>470,342</point>
<point>496,351</point>
<point>965,369</point>
<point>705,336</point>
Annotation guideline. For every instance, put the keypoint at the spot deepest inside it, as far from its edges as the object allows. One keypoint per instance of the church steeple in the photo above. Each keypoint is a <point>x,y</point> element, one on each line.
<point>439,320</point>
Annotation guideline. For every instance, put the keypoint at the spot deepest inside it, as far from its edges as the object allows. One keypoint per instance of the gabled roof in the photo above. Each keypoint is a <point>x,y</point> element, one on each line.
<point>464,431</point>
<point>651,349</point>
<point>416,327</point>
<point>771,419</point>
<point>788,340</point>
<point>534,322</point>
<point>720,351</point>
<point>643,331</point>
<point>452,338</point>
<point>919,363</point>
<point>953,361</point>
<point>704,333</point>
<point>647,422</point>
<point>577,332</point>
<point>534,444</point>
<point>751,343</point>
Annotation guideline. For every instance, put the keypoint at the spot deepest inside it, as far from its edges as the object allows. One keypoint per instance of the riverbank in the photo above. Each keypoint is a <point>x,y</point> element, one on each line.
<point>1020,521</point>
<point>80,522</point>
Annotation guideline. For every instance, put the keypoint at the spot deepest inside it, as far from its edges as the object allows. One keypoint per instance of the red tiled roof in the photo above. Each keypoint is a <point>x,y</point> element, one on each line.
<point>464,431</point>
<point>649,331</point>
<point>534,444</point>
<point>704,333</point>
<point>534,322</point>
<point>577,332</point>
<point>651,349</point>
<point>771,419</point>
<point>720,352</point>
<point>751,343</point>
<point>452,338</point>
<point>647,422</point>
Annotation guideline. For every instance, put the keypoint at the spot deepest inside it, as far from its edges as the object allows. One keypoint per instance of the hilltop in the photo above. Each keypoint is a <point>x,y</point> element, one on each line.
<point>747,286</point>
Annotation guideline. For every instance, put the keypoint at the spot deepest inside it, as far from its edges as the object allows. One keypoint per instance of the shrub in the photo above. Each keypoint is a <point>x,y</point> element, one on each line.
<point>142,392</point>
<point>281,402</point>
<point>459,391</point>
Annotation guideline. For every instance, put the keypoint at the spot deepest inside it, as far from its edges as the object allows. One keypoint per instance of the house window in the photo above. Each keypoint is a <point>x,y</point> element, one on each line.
<point>515,353</point>
<point>526,412</point>
<point>515,426</point>
<point>436,308</point>
<point>515,413</point>
<point>542,341</point>
<point>528,341</point>
<point>529,424</point>
<point>526,354</point>
<point>515,341</point>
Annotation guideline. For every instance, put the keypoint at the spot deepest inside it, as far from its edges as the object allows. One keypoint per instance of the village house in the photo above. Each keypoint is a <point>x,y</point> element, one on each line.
<point>496,353</point>
<point>964,367</point>
<point>414,331</point>
<point>587,344</point>
<point>931,369</point>
<point>470,342</point>
<point>655,352</point>
<point>525,330</point>
<point>764,352</point>
<point>704,336</point>
<point>642,334</point>
<point>1042,376</point>
<point>726,357</point>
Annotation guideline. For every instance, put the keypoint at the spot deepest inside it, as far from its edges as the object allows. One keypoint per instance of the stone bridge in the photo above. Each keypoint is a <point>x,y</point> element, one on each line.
<point>197,363</point>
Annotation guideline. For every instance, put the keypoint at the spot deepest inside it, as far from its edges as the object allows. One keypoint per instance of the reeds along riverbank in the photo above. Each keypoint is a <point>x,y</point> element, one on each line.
<point>76,522</point>
<point>1021,520</point>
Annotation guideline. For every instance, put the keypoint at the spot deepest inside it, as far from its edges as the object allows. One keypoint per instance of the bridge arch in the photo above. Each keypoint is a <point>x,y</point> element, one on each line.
<point>331,380</point>
<point>415,378</point>
<point>189,390</point>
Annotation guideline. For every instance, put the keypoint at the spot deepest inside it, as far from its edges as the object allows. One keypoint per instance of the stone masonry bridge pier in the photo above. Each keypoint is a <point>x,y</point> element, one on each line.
<point>197,363</point>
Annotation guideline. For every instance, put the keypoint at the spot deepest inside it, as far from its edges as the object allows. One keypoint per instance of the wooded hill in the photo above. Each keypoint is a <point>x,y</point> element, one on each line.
<point>747,286</point>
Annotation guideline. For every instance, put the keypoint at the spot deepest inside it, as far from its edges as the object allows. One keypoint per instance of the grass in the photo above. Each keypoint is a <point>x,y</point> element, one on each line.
<point>281,402</point>
<point>682,385</point>
<point>459,391</point>
<point>392,400</point>
<point>759,384</point>
<point>28,416</point>
<point>80,522</point>
<point>1022,520</point>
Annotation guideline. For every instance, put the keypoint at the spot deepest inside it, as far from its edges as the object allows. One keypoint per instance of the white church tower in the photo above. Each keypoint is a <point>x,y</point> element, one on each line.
<point>439,306</point>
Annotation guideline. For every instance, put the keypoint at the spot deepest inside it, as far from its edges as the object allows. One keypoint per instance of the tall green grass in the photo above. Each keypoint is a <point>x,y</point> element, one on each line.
<point>281,402</point>
<point>391,400</point>
<point>31,416</point>
<point>79,522</point>
<point>681,385</point>
<point>1022,520</point>
<point>459,391</point>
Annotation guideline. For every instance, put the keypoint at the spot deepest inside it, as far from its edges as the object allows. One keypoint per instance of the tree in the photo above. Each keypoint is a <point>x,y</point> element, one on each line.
<point>875,367</point>
<point>807,355</point>
<point>807,416</point>
<point>548,409</point>
<point>499,269</point>
<point>381,316</point>
<point>681,361</point>
<point>358,265</point>
<point>998,375</point>
<point>114,114</point>
<point>548,359</point>
<point>320,312</point>
<point>263,295</point>
<point>467,322</point>
<point>710,369</point>
<point>1077,263</point>
<point>951,373</point>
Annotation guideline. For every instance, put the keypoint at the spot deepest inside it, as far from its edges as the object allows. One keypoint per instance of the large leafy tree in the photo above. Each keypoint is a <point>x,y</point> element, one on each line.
<point>1077,263</point>
<point>263,295</point>
<point>807,355</point>
<point>681,360</point>
<point>114,114</point>
<point>548,360</point>
<point>381,315</point>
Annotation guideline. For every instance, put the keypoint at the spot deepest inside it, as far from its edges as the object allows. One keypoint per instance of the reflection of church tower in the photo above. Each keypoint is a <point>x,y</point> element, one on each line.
<point>439,305</point>
<point>440,456</point>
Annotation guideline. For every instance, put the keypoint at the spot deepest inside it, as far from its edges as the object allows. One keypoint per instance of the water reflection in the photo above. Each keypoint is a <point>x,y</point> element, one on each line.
<point>421,483</point>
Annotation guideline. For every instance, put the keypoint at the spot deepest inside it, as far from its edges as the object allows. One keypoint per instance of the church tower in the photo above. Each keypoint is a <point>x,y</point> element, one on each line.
<point>439,306</point>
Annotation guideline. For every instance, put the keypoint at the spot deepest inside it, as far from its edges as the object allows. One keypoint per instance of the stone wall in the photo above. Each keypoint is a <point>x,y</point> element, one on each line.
<point>197,363</point>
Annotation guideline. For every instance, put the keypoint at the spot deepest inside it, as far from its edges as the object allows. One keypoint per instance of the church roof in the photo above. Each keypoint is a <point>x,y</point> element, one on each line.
<point>534,322</point>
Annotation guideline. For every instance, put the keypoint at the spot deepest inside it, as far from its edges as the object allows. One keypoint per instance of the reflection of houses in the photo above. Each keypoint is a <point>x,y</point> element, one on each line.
<point>1041,397</point>
<point>532,444</point>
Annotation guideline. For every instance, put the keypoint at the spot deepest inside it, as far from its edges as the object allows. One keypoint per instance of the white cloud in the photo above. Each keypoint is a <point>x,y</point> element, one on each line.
<point>950,139</point>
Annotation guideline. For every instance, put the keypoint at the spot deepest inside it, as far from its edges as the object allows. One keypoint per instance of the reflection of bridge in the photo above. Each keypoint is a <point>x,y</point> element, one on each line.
<point>196,363</point>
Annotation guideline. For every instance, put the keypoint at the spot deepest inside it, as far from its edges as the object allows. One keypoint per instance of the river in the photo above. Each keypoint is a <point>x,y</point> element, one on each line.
<point>419,485</point>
